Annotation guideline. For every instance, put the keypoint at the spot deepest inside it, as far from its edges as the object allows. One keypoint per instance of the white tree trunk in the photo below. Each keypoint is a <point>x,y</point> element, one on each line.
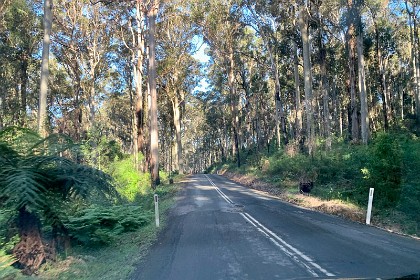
<point>179,164</point>
<point>42,107</point>
<point>362,90</point>
<point>307,73</point>
<point>298,121</point>
<point>154,138</point>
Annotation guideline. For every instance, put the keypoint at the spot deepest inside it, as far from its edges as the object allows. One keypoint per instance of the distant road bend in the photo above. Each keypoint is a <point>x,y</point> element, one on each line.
<point>221,230</point>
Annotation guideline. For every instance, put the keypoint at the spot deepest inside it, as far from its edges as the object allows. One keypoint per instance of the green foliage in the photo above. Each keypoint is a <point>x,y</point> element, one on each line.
<point>410,189</point>
<point>129,181</point>
<point>30,176</point>
<point>34,178</point>
<point>99,150</point>
<point>6,246</point>
<point>97,225</point>
<point>384,170</point>
<point>164,176</point>
<point>284,167</point>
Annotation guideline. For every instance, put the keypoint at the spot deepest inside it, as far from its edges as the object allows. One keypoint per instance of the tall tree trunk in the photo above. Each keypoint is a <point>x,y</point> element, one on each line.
<point>1,111</point>
<point>42,107</point>
<point>134,144</point>
<point>382,81</point>
<point>23,86</point>
<point>279,116</point>
<point>352,73</point>
<point>307,72</point>
<point>337,125</point>
<point>138,41</point>
<point>280,122</point>
<point>362,85</point>
<point>324,89</point>
<point>78,114</point>
<point>179,164</point>
<point>298,119</point>
<point>415,49</point>
<point>154,140</point>
<point>234,107</point>
<point>92,103</point>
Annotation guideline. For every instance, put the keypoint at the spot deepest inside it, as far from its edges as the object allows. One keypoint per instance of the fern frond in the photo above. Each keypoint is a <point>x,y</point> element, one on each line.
<point>23,186</point>
<point>7,155</point>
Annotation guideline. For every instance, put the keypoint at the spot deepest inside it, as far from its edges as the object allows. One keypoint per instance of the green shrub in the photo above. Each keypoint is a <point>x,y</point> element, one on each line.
<point>130,182</point>
<point>384,171</point>
<point>36,181</point>
<point>98,225</point>
<point>289,168</point>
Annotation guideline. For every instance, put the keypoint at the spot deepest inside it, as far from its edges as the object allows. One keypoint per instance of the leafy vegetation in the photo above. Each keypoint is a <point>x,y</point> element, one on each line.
<point>100,224</point>
<point>118,259</point>
<point>129,182</point>
<point>50,202</point>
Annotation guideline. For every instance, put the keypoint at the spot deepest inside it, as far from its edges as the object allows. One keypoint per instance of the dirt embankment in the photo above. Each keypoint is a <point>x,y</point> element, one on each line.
<point>335,207</point>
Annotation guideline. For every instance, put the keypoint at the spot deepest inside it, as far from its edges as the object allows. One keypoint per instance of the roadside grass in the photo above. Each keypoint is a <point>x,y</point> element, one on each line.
<point>117,260</point>
<point>342,179</point>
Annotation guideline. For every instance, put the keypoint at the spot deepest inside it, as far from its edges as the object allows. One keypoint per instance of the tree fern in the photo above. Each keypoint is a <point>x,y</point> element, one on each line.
<point>33,175</point>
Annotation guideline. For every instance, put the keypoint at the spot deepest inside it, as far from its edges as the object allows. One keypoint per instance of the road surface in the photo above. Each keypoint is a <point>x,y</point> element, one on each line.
<point>221,230</point>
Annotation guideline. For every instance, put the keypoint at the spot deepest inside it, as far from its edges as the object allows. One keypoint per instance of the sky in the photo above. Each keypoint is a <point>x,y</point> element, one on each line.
<point>203,58</point>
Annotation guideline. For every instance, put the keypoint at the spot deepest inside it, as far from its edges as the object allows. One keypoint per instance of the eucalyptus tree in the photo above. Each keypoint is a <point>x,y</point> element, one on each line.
<point>154,137</point>
<point>178,70</point>
<point>266,21</point>
<point>219,21</point>
<point>83,45</point>
<point>351,47</point>
<point>19,35</point>
<point>133,36</point>
<point>412,10</point>
<point>325,17</point>
<point>378,13</point>
<point>43,91</point>
<point>303,22</point>
<point>364,118</point>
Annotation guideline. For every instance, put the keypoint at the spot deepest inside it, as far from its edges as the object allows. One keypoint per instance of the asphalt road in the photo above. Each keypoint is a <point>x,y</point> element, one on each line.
<point>221,230</point>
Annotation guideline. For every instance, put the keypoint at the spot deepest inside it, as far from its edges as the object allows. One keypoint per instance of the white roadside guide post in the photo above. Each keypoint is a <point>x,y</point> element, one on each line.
<point>156,209</point>
<point>369,210</point>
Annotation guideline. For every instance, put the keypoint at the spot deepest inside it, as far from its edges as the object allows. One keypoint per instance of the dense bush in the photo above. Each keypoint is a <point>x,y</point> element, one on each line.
<point>47,193</point>
<point>384,171</point>
<point>130,182</point>
<point>346,171</point>
<point>98,225</point>
<point>7,242</point>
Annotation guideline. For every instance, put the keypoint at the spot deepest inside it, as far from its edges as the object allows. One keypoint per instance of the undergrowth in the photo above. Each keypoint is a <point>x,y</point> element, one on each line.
<point>85,214</point>
<point>119,258</point>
